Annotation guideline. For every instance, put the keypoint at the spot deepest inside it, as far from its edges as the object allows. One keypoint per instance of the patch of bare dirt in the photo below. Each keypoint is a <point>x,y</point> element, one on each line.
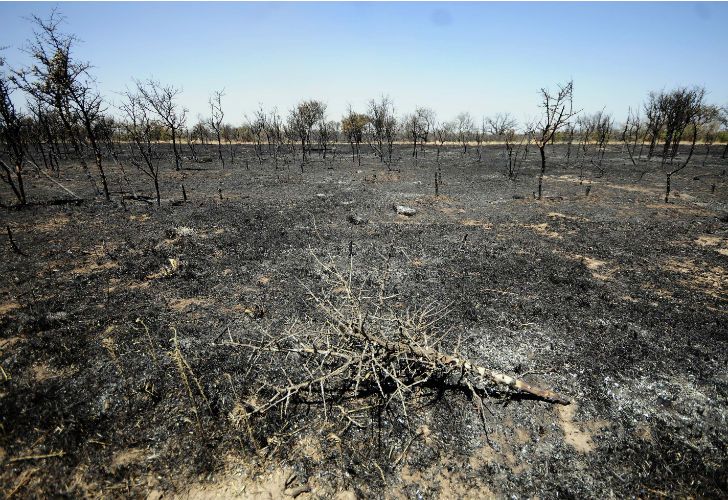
<point>51,224</point>
<point>544,230</point>
<point>600,269</point>
<point>10,342</point>
<point>557,215</point>
<point>579,435</point>
<point>243,480</point>
<point>7,307</point>
<point>42,372</point>
<point>445,479</point>
<point>128,457</point>
<point>717,243</point>
<point>631,188</point>
<point>182,305</point>
<point>476,223</point>
<point>98,258</point>
<point>706,278</point>
<point>93,267</point>
<point>502,450</point>
<point>634,188</point>
<point>644,432</point>
<point>166,270</point>
<point>676,207</point>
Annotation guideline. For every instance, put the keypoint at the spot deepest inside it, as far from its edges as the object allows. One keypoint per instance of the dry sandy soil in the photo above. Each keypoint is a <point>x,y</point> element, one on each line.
<point>121,377</point>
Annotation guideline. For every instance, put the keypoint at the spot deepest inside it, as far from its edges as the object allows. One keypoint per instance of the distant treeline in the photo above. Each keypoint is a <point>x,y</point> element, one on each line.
<point>63,115</point>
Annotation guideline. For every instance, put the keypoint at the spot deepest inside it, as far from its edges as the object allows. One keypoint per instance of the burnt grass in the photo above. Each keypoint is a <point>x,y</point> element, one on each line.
<point>614,299</point>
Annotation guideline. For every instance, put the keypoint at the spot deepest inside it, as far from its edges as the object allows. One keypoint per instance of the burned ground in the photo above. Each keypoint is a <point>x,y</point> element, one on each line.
<point>118,330</point>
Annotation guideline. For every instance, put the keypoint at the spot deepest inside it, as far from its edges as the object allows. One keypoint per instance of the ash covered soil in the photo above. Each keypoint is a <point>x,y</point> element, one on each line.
<point>120,330</point>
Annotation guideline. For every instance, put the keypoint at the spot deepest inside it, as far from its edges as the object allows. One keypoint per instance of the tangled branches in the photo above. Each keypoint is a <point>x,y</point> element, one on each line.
<point>363,349</point>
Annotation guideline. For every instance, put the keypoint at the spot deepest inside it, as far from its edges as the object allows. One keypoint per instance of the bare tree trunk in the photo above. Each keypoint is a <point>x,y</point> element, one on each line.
<point>707,153</point>
<point>18,190</point>
<point>14,245</point>
<point>91,133</point>
<point>690,155</point>
<point>219,150</point>
<point>192,149</point>
<point>21,183</point>
<point>568,151</point>
<point>39,148</point>
<point>99,165</point>
<point>77,150</point>
<point>97,156</point>
<point>667,188</point>
<point>49,137</point>
<point>174,150</point>
<point>653,143</point>
<point>543,169</point>
<point>631,156</point>
<point>156,189</point>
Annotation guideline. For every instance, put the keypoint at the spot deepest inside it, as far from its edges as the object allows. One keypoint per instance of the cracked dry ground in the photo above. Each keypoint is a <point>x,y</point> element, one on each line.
<point>616,300</point>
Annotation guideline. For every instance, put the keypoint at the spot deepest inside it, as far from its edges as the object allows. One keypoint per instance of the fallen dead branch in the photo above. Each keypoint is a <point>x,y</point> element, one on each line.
<point>37,457</point>
<point>185,373</point>
<point>64,188</point>
<point>23,479</point>
<point>44,203</point>
<point>360,347</point>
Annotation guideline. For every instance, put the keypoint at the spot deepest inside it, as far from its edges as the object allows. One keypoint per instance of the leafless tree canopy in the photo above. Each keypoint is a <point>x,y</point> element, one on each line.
<point>216,117</point>
<point>57,79</point>
<point>464,127</point>
<point>557,110</point>
<point>382,126</point>
<point>162,100</point>
<point>500,124</point>
<point>11,130</point>
<point>139,126</point>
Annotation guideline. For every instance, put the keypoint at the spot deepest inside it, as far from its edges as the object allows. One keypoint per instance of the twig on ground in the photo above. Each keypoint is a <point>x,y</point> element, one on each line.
<point>22,481</point>
<point>37,457</point>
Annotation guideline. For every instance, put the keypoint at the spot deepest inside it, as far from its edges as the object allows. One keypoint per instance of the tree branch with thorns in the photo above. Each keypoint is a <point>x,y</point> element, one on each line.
<point>362,347</point>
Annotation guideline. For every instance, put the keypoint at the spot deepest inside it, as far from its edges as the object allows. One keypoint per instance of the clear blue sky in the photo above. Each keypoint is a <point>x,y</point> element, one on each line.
<point>478,57</point>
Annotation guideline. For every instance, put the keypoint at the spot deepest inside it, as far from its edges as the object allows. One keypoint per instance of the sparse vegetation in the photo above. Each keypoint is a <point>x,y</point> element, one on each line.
<point>195,300</point>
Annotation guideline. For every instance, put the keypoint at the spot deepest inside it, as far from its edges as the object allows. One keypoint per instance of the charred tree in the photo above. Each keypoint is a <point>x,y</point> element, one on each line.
<point>139,128</point>
<point>11,132</point>
<point>381,119</point>
<point>301,121</point>
<point>216,117</point>
<point>353,126</point>
<point>63,83</point>
<point>464,127</point>
<point>161,100</point>
<point>557,111</point>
